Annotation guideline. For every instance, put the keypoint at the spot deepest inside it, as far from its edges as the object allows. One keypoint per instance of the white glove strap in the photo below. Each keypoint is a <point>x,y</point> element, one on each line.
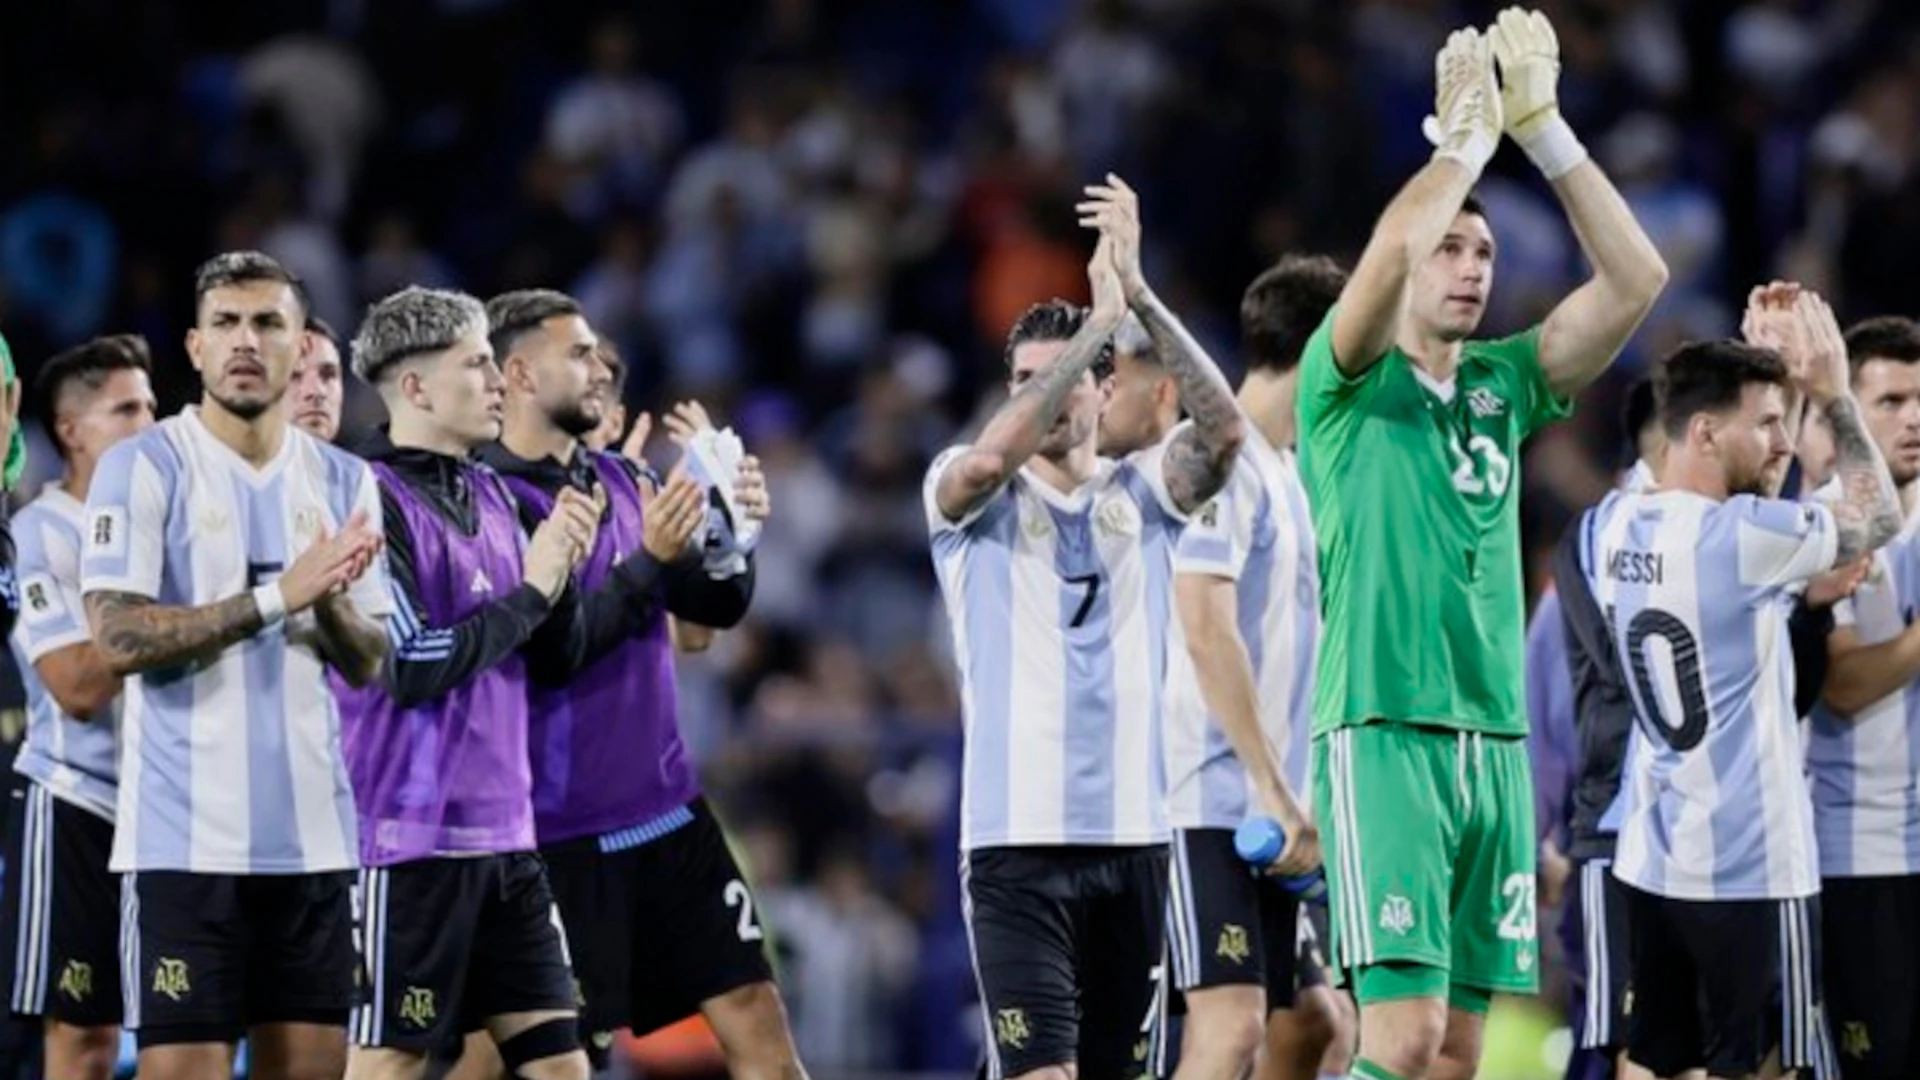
<point>1553,148</point>
<point>1474,152</point>
<point>272,604</point>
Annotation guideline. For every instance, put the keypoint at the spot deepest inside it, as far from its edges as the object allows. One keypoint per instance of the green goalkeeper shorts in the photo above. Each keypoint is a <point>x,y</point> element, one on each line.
<point>1429,842</point>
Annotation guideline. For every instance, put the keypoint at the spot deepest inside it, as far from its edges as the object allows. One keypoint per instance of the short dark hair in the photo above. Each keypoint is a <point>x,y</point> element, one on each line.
<point>320,326</point>
<point>86,368</point>
<point>1284,306</point>
<point>241,268</point>
<point>1641,409</point>
<point>1709,376</point>
<point>1056,320</point>
<point>512,314</point>
<point>1883,337</point>
<point>1472,205</point>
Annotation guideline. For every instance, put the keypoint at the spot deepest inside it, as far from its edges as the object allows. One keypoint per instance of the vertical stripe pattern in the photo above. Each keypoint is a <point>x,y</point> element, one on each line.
<point>1352,935</point>
<point>33,947</point>
<point>1058,604</point>
<point>1596,1031</point>
<point>368,1023</point>
<point>991,1045</point>
<point>130,966</point>
<point>1183,918</point>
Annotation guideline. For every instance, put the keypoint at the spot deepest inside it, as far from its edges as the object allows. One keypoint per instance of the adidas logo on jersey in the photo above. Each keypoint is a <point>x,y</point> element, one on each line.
<point>482,584</point>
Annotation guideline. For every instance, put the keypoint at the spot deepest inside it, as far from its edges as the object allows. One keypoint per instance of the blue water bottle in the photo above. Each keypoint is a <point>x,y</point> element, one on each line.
<point>1259,841</point>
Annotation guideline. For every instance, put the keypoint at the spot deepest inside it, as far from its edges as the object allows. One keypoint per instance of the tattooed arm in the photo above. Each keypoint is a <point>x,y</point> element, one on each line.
<point>355,645</point>
<point>1200,457</point>
<point>135,634</point>
<point>1014,433</point>
<point>1867,514</point>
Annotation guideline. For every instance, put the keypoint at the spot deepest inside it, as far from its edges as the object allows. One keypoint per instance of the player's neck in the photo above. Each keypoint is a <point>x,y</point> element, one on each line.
<point>529,440</point>
<point>416,432</point>
<point>1267,399</point>
<point>1909,496</point>
<point>79,477</point>
<point>1436,356</point>
<point>1066,474</point>
<point>1683,472</point>
<point>257,441</point>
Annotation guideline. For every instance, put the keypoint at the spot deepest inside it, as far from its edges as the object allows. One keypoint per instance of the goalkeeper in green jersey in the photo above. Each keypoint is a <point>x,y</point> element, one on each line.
<point>1410,437</point>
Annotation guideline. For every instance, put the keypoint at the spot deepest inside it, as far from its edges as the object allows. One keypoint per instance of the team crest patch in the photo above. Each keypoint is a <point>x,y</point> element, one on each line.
<point>1010,1028</point>
<point>306,526</point>
<point>171,978</point>
<point>1854,1041</point>
<point>1117,517</point>
<point>1233,946</point>
<point>1485,402</point>
<point>40,601</point>
<point>107,532</point>
<point>1396,915</point>
<point>76,980</point>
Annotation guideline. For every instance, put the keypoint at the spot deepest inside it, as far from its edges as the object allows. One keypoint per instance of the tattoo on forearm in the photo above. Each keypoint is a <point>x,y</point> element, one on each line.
<point>136,634</point>
<point>1015,431</point>
<point>1199,460</point>
<point>355,645</point>
<point>1867,514</point>
<point>1036,405</point>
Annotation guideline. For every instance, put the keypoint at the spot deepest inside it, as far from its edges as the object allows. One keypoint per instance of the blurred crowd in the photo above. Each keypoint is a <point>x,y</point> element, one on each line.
<point>820,216</point>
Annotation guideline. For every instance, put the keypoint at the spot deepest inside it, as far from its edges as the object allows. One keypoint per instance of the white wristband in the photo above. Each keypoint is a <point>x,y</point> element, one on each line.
<point>1474,152</point>
<point>1553,148</point>
<point>272,604</point>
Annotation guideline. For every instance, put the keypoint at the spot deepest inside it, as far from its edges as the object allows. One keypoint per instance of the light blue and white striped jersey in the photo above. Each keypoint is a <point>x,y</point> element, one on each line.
<point>1697,594</point>
<point>1258,534</point>
<point>76,759</point>
<point>231,765</point>
<point>1059,604</point>
<point>1865,769</point>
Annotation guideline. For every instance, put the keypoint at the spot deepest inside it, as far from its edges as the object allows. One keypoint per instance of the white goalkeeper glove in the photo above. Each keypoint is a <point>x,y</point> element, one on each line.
<point>1529,55</point>
<point>1465,124</point>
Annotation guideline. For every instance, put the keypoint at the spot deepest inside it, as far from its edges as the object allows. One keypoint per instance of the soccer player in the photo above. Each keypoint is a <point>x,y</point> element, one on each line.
<point>1410,445</point>
<point>1603,718</point>
<point>457,920</point>
<point>1240,675</point>
<point>228,561</point>
<point>60,918</point>
<point>1716,846</point>
<point>1054,566</point>
<point>1863,742</point>
<point>317,393</point>
<point>660,918</point>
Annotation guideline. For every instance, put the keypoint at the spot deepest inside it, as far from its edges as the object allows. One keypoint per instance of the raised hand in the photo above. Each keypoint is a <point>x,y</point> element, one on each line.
<point>672,516</point>
<point>687,420</point>
<point>330,564</point>
<point>1529,55</point>
<point>1466,121</point>
<point>1114,209</point>
<point>1528,52</point>
<point>561,542</point>
<point>634,449</point>
<point>1109,296</point>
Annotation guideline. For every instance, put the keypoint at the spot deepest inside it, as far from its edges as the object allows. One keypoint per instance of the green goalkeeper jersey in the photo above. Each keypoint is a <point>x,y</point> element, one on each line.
<point>1415,490</point>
